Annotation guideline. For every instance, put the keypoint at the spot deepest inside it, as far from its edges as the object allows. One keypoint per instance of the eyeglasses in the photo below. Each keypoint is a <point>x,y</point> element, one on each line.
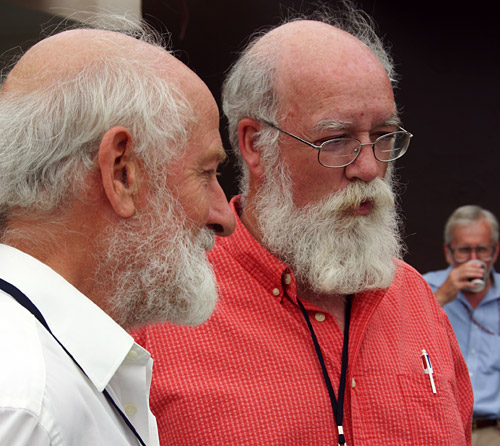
<point>464,253</point>
<point>340,152</point>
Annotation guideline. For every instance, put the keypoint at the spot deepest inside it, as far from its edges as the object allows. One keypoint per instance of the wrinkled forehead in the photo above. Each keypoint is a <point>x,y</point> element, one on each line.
<point>313,58</point>
<point>63,55</point>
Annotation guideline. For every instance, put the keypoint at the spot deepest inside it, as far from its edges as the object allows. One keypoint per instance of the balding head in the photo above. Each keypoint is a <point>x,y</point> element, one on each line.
<point>68,90</point>
<point>307,53</point>
<point>65,55</point>
<point>280,66</point>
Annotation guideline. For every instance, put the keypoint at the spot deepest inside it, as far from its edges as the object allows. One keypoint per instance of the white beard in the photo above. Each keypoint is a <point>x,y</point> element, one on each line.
<point>159,270</point>
<point>330,249</point>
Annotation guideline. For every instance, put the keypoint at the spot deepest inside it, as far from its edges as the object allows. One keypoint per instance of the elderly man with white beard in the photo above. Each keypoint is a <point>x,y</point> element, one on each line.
<point>322,335</point>
<point>109,199</point>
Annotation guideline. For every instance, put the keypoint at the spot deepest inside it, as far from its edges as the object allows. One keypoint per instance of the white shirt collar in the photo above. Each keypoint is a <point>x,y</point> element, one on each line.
<point>95,341</point>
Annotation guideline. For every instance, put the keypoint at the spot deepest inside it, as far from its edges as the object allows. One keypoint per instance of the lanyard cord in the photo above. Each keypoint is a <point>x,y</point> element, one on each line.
<point>23,300</point>
<point>337,408</point>
<point>481,326</point>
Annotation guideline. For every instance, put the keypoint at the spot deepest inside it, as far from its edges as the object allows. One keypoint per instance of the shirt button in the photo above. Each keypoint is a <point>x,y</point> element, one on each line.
<point>130,409</point>
<point>288,279</point>
<point>276,292</point>
<point>353,383</point>
<point>473,351</point>
<point>320,317</point>
<point>132,355</point>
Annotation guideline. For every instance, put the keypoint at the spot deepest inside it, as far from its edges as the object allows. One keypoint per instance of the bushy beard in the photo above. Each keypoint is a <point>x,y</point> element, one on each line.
<point>159,270</point>
<point>330,249</point>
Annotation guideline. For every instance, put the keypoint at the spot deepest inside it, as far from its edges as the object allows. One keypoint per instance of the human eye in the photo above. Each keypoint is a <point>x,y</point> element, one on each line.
<point>211,173</point>
<point>338,144</point>
<point>482,249</point>
<point>385,137</point>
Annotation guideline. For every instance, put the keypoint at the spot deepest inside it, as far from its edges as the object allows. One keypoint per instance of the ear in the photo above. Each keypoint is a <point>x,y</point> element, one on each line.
<point>247,131</point>
<point>118,170</point>
<point>495,255</point>
<point>447,254</point>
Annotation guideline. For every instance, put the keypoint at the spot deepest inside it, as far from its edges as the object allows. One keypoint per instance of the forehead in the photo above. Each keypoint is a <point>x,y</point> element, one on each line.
<point>328,74</point>
<point>204,143</point>
<point>478,232</point>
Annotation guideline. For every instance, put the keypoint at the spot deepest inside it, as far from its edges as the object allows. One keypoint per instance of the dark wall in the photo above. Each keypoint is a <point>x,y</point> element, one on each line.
<point>449,94</point>
<point>448,58</point>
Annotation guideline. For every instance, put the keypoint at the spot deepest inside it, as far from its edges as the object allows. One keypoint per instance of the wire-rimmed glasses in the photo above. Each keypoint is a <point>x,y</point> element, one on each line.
<point>463,253</point>
<point>340,152</point>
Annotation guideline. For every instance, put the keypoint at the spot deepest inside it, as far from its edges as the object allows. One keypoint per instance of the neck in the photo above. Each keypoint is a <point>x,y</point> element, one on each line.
<point>62,242</point>
<point>249,220</point>
<point>333,304</point>
<point>475,299</point>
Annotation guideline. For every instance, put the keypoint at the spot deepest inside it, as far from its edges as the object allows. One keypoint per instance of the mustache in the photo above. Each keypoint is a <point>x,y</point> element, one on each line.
<point>378,192</point>
<point>205,239</point>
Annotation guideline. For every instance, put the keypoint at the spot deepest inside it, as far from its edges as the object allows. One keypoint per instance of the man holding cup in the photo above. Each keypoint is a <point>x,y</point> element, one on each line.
<point>469,291</point>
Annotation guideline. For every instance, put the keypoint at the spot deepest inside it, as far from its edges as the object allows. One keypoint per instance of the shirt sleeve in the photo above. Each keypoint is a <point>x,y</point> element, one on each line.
<point>435,279</point>
<point>464,395</point>
<point>22,428</point>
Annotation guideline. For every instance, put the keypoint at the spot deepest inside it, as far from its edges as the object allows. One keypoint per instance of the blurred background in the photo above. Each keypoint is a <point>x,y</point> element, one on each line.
<point>447,55</point>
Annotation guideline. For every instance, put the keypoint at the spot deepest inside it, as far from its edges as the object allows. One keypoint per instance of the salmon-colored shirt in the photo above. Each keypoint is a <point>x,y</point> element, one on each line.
<point>250,375</point>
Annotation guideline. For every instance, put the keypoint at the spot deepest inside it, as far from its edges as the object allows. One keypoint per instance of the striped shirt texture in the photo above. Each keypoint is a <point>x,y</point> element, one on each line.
<point>250,375</point>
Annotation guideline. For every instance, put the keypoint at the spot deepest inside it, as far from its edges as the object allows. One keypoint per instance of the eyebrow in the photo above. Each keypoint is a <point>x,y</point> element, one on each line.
<point>336,125</point>
<point>331,124</point>
<point>217,154</point>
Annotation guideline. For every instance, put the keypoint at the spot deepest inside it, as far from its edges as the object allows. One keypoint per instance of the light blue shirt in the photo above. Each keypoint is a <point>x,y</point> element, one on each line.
<point>480,349</point>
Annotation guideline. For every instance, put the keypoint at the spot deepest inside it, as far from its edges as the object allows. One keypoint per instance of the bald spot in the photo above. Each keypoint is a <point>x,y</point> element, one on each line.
<point>64,55</point>
<point>309,53</point>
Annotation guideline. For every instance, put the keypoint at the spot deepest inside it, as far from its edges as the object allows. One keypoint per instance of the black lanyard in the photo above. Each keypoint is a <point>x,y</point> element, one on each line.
<point>337,407</point>
<point>23,300</point>
<point>481,326</point>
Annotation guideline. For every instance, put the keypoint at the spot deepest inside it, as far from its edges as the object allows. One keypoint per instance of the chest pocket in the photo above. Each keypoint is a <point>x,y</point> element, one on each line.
<point>401,409</point>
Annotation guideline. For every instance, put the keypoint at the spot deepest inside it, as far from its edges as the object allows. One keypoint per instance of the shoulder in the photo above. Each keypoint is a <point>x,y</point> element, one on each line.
<point>407,274</point>
<point>42,389</point>
<point>23,379</point>
<point>409,286</point>
<point>436,278</point>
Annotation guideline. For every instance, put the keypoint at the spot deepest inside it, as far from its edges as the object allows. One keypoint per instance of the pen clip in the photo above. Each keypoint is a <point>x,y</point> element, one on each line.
<point>426,362</point>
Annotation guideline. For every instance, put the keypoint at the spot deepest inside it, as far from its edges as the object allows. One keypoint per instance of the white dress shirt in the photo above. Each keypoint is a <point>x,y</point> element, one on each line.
<point>45,399</point>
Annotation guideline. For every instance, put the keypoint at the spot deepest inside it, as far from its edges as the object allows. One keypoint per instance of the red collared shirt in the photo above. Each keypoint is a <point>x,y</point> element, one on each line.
<point>250,375</point>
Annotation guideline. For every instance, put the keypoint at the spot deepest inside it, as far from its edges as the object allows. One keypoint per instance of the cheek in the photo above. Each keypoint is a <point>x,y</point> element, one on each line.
<point>194,203</point>
<point>314,185</point>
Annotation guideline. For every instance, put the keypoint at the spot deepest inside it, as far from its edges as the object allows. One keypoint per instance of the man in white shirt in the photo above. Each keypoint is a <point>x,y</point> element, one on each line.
<point>109,148</point>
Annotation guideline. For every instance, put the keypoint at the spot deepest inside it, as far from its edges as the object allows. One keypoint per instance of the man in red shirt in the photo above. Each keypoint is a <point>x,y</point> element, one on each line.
<point>321,335</point>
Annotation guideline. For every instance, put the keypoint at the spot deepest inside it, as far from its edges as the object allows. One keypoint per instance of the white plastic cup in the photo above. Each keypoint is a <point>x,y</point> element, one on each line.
<point>478,283</point>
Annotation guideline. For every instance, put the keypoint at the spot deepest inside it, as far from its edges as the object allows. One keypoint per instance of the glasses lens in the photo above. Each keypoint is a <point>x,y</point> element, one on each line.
<point>485,252</point>
<point>464,253</point>
<point>338,152</point>
<point>392,146</point>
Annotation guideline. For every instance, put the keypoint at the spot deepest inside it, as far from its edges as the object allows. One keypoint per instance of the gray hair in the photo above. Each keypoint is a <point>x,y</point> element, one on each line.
<point>248,90</point>
<point>50,135</point>
<point>465,215</point>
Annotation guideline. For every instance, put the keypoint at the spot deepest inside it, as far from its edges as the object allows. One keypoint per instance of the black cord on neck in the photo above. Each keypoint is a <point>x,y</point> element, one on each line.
<point>23,300</point>
<point>337,407</point>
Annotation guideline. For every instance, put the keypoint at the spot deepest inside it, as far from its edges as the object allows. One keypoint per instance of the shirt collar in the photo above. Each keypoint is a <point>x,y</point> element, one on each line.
<point>252,256</point>
<point>97,343</point>
<point>494,291</point>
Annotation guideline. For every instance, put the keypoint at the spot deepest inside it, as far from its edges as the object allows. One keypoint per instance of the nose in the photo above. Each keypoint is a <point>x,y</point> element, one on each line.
<point>220,217</point>
<point>366,167</point>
